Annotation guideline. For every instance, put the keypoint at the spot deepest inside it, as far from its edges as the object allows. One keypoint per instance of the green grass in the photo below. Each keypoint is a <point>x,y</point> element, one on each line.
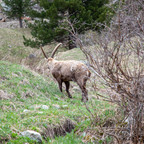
<point>30,89</point>
<point>74,54</point>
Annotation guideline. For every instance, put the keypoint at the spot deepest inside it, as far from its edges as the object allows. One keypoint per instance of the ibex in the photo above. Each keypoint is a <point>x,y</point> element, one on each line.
<point>70,70</point>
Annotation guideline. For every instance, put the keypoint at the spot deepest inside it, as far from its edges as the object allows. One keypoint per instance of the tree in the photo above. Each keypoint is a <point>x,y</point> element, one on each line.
<point>17,8</point>
<point>52,19</point>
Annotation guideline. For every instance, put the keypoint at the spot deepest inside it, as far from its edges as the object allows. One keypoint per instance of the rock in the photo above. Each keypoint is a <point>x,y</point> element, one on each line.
<point>32,135</point>
<point>65,106</point>
<point>40,112</point>
<point>45,107</point>
<point>9,46</point>
<point>32,56</point>
<point>56,106</point>
<point>26,110</point>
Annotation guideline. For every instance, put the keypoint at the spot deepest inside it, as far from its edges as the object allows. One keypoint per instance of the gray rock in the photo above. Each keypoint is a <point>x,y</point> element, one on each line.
<point>32,135</point>
<point>32,56</point>
<point>65,106</point>
<point>26,110</point>
<point>56,106</point>
<point>45,107</point>
<point>40,112</point>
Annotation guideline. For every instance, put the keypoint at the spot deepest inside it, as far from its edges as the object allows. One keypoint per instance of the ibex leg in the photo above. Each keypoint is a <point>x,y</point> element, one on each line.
<point>60,84</point>
<point>82,85</point>
<point>67,83</point>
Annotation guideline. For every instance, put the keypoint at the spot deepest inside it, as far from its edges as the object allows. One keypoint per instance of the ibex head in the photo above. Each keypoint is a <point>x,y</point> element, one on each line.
<point>51,58</point>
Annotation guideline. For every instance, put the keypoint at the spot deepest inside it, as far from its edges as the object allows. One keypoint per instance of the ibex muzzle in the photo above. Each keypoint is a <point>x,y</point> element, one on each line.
<point>70,70</point>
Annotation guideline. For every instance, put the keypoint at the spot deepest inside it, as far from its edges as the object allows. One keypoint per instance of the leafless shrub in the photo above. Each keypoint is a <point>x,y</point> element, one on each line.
<point>117,58</point>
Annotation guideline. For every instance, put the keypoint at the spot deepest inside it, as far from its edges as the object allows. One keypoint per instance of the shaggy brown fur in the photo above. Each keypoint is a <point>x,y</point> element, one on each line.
<point>71,70</point>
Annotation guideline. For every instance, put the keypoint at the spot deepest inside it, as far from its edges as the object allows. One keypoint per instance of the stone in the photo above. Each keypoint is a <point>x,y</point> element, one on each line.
<point>45,107</point>
<point>26,110</point>
<point>32,56</point>
<point>40,112</point>
<point>32,135</point>
<point>56,106</point>
<point>65,106</point>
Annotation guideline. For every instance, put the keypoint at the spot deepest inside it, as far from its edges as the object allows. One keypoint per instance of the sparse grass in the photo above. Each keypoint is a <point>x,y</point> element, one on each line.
<point>12,48</point>
<point>29,90</point>
<point>74,54</point>
<point>11,45</point>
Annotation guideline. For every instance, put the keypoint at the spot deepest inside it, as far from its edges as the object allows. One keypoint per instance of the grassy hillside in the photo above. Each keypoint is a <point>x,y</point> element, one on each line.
<point>11,45</point>
<point>22,92</point>
<point>29,90</point>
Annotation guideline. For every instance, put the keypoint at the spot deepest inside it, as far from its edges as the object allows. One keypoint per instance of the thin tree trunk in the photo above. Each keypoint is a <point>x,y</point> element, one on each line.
<point>71,43</point>
<point>20,22</point>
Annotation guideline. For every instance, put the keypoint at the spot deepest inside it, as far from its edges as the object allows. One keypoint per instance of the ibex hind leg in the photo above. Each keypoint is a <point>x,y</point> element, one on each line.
<point>84,95</point>
<point>67,83</point>
<point>82,85</point>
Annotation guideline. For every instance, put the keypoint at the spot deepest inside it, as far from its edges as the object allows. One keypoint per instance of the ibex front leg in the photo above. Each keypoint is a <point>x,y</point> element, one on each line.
<point>60,84</point>
<point>67,83</point>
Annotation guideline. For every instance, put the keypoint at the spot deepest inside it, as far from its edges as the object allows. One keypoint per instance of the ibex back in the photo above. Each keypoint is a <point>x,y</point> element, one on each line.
<point>70,70</point>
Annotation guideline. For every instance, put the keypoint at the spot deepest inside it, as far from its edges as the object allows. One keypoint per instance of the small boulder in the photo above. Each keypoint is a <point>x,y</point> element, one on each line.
<point>40,112</point>
<point>32,56</point>
<point>32,135</point>
<point>56,106</point>
<point>65,106</point>
<point>45,107</point>
<point>26,110</point>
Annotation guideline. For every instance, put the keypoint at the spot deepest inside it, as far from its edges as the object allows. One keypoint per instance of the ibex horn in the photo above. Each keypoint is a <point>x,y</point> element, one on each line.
<point>43,52</point>
<point>55,49</point>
